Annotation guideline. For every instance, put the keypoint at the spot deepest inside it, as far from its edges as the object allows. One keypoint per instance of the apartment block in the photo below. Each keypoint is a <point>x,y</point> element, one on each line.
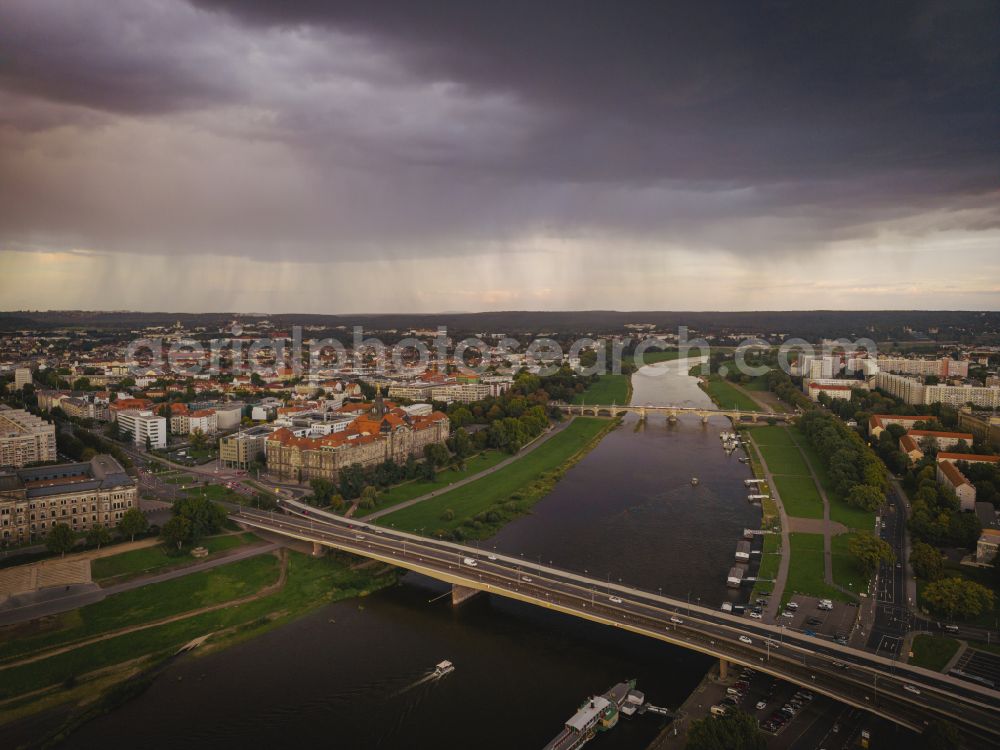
<point>25,438</point>
<point>144,424</point>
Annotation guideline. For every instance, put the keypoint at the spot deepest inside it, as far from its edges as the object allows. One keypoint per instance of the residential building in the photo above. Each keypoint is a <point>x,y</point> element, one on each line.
<point>879,422</point>
<point>960,395</point>
<point>239,450</point>
<point>129,404</point>
<point>943,367</point>
<point>184,421</point>
<point>22,377</point>
<point>81,495</point>
<point>144,424</point>
<point>465,393</point>
<point>25,438</point>
<point>950,475</point>
<point>909,390</point>
<point>913,441</point>
<point>379,431</point>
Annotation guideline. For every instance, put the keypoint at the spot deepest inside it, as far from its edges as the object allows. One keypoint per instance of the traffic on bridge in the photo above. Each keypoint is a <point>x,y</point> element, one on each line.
<point>908,695</point>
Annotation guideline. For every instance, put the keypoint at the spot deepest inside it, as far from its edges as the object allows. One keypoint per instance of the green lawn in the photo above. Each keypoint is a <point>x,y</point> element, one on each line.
<point>726,396</point>
<point>784,459</point>
<point>311,583</point>
<point>146,604</point>
<point>150,559</point>
<point>799,496</point>
<point>840,510</point>
<point>805,569</point>
<point>409,490</point>
<point>769,566</point>
<point>847,572</point>
<point>933,652</point>
<point>506,492</point>
<point>771,435</point>
<point>609,389</point>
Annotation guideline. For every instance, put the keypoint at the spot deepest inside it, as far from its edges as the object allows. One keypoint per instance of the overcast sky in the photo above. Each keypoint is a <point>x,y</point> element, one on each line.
<point>305,156</point>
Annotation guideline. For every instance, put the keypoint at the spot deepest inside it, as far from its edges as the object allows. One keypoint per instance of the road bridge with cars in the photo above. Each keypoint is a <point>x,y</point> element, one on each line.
<point>907,695</point>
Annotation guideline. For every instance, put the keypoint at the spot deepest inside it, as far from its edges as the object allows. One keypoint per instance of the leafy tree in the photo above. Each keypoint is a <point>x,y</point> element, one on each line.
<point>98,536</point>
<point>176,532</point>
<point>198,439</point>
<point>461,443</point>
<point>323,490</point>
<point>436,454</point>
<point>60,539</point>
<point>368,495</point>
<point>870,551</point>
<point>351,481</point>
<point>865,496</point>
<point>927,561</point>
<point>957,598</point>
<point>203,516</point>
<point>736,730</point>
<point>133,522</point>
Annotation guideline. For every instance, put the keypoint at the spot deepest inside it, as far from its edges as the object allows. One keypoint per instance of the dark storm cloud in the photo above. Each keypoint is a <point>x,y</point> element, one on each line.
<point>713,91</point>
<point>317,130</point>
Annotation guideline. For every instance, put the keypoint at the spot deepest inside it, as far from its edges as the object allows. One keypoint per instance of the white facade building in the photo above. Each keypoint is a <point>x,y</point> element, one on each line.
<point>143,424</point>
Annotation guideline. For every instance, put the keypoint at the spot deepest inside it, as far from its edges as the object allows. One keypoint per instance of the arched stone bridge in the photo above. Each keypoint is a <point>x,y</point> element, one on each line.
<point>672,412</point>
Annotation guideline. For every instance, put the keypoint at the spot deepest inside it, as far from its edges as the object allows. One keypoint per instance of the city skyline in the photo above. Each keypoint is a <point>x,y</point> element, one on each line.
<point>301,158</point>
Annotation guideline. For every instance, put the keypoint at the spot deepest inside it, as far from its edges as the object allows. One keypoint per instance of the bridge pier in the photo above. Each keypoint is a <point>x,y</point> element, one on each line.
<point>460,594</point>
<point>319,550</point>
<point>723,669</point>
<point>704,419</point>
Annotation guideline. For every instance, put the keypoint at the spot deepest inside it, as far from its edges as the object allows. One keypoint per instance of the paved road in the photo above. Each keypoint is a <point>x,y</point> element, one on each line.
<point>51,603</point>
<point>540,440</point>
<point>843,673</point>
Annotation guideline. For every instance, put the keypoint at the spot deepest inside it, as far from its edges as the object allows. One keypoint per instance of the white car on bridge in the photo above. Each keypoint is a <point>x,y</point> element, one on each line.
<point>746,639</point>
<point>470,562</point>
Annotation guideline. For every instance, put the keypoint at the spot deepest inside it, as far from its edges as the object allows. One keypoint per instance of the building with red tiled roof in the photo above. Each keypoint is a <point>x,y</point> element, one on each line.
<point>910,443</point>
<point>949,475</point>
<point>380,431</point>
<point>879,422</point>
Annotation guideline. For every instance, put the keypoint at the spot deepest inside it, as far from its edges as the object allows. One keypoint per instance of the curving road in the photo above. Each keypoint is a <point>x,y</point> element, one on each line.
<point>848,675</point>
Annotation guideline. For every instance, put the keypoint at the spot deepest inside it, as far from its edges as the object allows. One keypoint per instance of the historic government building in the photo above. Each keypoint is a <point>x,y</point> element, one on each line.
<point>378,431</point>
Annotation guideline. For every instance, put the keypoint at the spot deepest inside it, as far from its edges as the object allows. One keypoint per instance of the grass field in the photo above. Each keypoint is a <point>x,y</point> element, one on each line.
<point>409,490</point>
<point>609,389</point>
<point>506,492</point>
<point>799,496</point>
<point>805,569</point>
<point>145,604</point>
<point>771,435</point>
<point>150,559</point>
<point>840,510</point>
<point>311,583</point>
<point>726,397</point>
<point>784,459</point>
<point>933,652</point>
<point>847,572</point>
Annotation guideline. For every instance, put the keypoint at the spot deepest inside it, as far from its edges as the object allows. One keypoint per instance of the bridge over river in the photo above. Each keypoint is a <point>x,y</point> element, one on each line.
<point>907,695</point>
<point>672,412</point>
